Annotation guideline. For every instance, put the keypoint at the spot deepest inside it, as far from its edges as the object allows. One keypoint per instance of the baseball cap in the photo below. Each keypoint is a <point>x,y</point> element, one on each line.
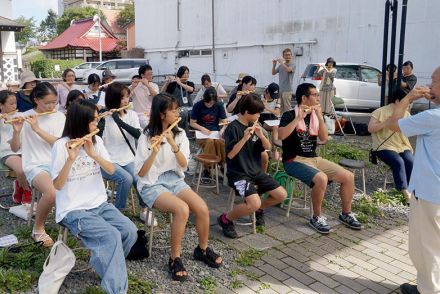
<point>274,90</point>
<point>241,76</point>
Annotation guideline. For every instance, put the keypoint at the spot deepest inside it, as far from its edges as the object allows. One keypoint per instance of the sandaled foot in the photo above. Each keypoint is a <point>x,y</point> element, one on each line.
<point>42,237</point>
<point>178,271</point>
<point>208,256</point>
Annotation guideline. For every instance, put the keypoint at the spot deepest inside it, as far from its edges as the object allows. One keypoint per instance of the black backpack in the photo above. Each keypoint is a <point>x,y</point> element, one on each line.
<point>139,249</point>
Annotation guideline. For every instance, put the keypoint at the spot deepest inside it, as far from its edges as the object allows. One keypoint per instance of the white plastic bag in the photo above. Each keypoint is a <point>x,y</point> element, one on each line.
<point>330,124</point>
<point>56,267</point>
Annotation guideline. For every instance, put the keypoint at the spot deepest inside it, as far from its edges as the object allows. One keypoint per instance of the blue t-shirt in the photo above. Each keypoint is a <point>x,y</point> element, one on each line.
<point>425,176</point>
<point>208,117</point>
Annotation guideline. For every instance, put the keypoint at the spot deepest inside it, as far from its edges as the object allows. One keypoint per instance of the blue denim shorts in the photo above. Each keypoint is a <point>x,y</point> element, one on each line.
<point>167,182</point>
<point>30,175</point>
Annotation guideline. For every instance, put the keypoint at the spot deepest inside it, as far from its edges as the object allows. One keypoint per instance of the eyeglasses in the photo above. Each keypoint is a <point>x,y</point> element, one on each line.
<point>177,110</point>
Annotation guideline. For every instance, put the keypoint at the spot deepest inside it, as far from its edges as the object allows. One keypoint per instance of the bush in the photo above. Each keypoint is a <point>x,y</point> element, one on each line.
<point>47,66</point>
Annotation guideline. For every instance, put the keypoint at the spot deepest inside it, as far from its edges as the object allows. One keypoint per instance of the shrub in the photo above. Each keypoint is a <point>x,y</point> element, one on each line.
<point>47,66</point>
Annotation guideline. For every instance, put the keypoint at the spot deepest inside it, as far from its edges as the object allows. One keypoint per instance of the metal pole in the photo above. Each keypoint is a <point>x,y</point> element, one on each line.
<point>386,28</point>
<point>393,48</point>
<point>213,40</point>
<point>99,32</point>
<point>402,41</point>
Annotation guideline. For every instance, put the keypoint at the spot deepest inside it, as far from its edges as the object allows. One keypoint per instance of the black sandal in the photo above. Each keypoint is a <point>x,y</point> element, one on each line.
<point>176,266</point>
<point>208,256</point>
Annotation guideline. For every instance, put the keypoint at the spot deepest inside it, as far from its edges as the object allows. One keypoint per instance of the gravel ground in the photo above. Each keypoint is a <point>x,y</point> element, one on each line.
<point>154,269</point>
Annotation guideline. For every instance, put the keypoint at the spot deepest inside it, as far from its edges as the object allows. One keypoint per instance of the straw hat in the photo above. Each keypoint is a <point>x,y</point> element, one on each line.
<point>241,76</point>
<point>27,77</point>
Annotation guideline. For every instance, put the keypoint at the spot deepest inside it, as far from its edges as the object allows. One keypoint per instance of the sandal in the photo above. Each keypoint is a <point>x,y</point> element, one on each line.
<point>42,237</point>
<point>208,256</point>
<point>176,266</point>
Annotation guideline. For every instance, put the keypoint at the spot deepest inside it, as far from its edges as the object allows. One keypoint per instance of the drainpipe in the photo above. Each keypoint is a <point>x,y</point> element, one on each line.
<point>402,41</point>
<point>386,28</point>
<point>393,46</point>
<point>213,40</point>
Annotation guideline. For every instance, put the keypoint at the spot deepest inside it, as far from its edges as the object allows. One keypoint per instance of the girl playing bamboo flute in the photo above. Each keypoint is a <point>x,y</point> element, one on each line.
<point>161,158</point>
<point>81,206</point>
<point>8,104</point>
<point>35,134</point>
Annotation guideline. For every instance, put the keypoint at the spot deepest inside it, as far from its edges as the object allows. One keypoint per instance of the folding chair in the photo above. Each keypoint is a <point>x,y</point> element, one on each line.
<point>338,101</point>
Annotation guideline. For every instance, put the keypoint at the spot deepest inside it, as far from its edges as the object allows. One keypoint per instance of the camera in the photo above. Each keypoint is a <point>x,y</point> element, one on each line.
<point>373,156</point>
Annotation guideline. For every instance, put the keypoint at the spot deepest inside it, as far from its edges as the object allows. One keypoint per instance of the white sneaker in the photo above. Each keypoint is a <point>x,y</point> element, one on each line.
<point>143,216</point>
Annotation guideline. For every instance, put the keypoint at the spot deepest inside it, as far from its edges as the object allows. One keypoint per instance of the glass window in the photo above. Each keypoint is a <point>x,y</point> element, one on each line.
<point>206,52</point>
<point>348,72</point>
<point>138,63</point>
<point>83,66</point>
<point>369,74</point>
<point>108,65</point>
<point>124,64</point>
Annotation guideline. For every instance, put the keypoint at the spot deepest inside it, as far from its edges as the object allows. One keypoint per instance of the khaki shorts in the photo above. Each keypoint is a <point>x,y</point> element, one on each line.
<point>305,168</point>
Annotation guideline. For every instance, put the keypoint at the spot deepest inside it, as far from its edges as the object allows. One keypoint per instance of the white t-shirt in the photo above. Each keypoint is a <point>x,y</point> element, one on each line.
<point>218,87</point>
<point>84,187</point>
<point>115,143</point>
<point>34,149</point>
<point>6,132</point>
<point>165,160</point>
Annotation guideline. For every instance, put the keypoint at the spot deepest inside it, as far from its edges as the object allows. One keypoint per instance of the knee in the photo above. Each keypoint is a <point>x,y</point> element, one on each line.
<point>113,237</point>
<point>202,211</point>
<point>279,194</point>
<point>347,177</point>
<point>182,211</point>
<point>320,180</point>
<point>254,203</point>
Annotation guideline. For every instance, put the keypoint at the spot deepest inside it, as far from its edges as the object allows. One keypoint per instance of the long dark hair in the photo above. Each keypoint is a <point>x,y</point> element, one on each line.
<point>73,96</point>
<point>114,94</point>
<point>41,90</point>
<point>161,104</point>
<point>79,115</point>
<point>247,80</point>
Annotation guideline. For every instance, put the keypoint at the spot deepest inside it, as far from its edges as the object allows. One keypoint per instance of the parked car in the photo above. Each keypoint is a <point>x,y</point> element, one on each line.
<point>123,69</point>
<point>355,83</point>
<point>82,68</point>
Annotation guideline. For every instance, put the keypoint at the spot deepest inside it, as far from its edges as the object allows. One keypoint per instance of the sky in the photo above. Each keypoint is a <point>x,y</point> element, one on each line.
<point>36,8</point>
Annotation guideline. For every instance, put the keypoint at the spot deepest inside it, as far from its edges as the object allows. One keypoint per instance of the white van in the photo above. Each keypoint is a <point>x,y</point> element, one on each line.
<point>123,69</point>
<point>355,83</point>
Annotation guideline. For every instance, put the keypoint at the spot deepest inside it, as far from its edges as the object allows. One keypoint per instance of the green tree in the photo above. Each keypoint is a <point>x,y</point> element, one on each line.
<point>48,27</point>
<point>75,13</point>
<point>126,15</point>
<point>29,32</point>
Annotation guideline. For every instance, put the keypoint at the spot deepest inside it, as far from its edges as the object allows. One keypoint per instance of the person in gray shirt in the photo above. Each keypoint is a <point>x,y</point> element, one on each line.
<point>285,70</point>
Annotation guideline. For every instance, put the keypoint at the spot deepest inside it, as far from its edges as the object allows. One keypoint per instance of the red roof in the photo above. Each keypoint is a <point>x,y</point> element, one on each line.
<point>75,36</point>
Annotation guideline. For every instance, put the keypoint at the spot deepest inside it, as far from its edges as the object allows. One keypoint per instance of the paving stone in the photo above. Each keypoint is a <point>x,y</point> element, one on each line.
<point>275,262</point>
<point>361,263</point>
<point>300,276</point>
<point>372,285</point>
<point>390,276</point>
<point>329,282</point>
<point>275,284</point>
<point>276,253</point>
<point>255,271</point>
<point>284,234</point>
<point>321,288</point>
<point>259,241</point>
<point>408,268</point>
<point>298,286</point>
<point>344,290</point>
<point>349,282</point>
<point>274,272</point>
<point>385,266</point>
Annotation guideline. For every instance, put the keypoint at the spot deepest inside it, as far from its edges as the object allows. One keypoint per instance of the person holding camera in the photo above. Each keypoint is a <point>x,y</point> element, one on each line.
<point>424,215</point>
<point>393,148</point>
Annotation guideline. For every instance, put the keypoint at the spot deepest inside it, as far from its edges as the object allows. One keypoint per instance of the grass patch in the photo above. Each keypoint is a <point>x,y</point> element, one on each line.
<point>264,286</point>
<point>390,198</point>
<point>365,208</point>
<point>335,151</point>
<point>137,286</point>
<point>260,229</point>
<point>237,284</point>
<point>93,290</point>
<point>12,281</point>
<point>209,284</point>
<point>248,257</point>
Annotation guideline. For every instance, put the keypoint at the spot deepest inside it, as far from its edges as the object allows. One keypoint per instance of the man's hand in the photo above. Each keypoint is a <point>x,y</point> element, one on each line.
<point>419,92</point>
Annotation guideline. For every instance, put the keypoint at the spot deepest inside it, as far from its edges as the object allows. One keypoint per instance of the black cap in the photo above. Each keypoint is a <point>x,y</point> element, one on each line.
<point>107,74</point>
<point>274,90</point>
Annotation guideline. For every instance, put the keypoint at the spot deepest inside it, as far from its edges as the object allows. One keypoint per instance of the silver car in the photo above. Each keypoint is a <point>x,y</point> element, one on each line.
<point>82,68</point>
<point>355,83</point>
<point>123,69</point>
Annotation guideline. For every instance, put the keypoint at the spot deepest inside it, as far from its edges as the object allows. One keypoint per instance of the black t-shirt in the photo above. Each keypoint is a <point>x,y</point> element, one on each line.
<point>411,81</point>
<point>231,99</point>
<point>247,162</point>
<point>208,117</point>
<point>180,93</point>
<point>297,144</point>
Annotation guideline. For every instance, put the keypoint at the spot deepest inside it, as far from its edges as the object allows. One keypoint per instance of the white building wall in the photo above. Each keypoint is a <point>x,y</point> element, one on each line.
<point>10,62</point>
<point>250,33</point>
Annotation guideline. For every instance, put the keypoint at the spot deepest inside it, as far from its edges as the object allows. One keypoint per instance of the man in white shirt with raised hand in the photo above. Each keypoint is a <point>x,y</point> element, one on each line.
<point>143,94</point>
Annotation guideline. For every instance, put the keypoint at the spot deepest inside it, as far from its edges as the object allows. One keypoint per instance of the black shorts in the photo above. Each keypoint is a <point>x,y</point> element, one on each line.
<point>260,184</point>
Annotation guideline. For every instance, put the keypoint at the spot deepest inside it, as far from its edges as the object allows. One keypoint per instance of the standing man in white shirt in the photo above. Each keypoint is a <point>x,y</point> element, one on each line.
<point>424,216</point>
<point>143,94</point>
<point>285,70</point>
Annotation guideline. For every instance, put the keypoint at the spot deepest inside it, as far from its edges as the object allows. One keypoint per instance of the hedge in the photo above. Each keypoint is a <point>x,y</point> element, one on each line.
<point>47,66</point>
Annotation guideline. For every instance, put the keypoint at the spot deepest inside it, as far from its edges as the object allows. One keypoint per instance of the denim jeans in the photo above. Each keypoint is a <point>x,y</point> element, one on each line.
<point>109,235</point>
<point>401,165</point>
<point>124,177</point>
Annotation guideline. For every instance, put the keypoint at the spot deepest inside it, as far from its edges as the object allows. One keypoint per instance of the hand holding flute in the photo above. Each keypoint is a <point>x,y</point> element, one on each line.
<point>5,115</point>
<point>78,142</point>
<point>158,139</point>
<point>111,111</point>
<point>241,93</point>
<point>29,118</point>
